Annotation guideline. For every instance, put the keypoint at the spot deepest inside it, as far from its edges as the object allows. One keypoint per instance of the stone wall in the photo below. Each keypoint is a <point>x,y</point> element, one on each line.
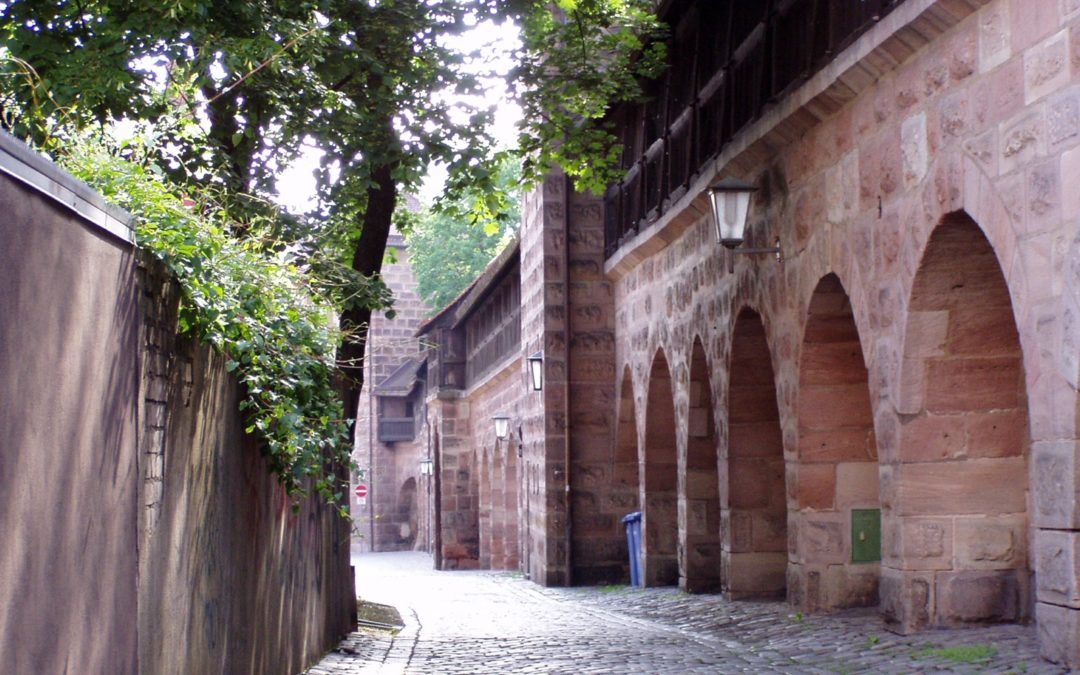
<point>598,498</point>
<point>457,500</point>
<point>228,569</point>
<point>543,326</point>
<point>69,465</point>
<point>145,533</point>
<point>915,351</point>
<point>496,462</point>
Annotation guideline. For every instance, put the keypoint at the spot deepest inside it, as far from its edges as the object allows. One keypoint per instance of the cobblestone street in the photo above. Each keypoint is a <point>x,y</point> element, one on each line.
<point>491,622</point>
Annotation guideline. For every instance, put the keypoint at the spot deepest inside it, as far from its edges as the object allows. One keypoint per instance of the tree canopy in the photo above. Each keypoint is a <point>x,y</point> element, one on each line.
<point>236,89</point>
<point>447,251</point>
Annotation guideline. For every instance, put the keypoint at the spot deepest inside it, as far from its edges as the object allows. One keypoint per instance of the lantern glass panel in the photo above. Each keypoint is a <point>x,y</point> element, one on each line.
<point>502,426</point>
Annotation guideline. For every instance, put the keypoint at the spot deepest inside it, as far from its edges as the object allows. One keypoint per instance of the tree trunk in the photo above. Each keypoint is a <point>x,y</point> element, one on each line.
<point>367,260</point>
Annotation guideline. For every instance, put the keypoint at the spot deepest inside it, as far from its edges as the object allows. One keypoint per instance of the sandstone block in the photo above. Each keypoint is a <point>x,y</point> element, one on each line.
<point>829,407</point>
<point>995,42</point>
<point>701,484</point>
<point>823,538</point>
<point>926,543</point>
<point>835,445</point>
<point>755,439</point>
<point>837,361</point>
<point>1054,484</point>
<point>992,486</point>
<point>756,575</point>
<point>961,385</point>
<point>1070,175</point>
<point>857,484</point>
<point>752,481</point>
<point>817,486</point>
<point>911,397</point>
<point>983,329</point>
<point>769,531</point>
<point>1022,141</point>
<point>846,586</point>
<point>1031,22</point>
<point>1063,118</point>
<point>1001,433</point>
<point>977,596</point>
<point>927,332</point>
<point>906,600</point>
<point>1057,565</point>
<point>737,531</point>
<point>991,543</point>
<point>1046,67</point>
<point>1043,196</point>
<point>1059,633</point>
<point>914,150</point>
<point>929,438</point>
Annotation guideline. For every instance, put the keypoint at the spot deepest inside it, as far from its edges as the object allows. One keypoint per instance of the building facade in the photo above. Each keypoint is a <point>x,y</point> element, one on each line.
<point>885,416</point>
<point>391,442</point>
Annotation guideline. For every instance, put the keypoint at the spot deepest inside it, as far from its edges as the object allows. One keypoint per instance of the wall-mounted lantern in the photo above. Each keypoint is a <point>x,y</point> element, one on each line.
<point>536,370</point>
<point>730,201</point>
<point>502,426</point>
<point>426,466</point>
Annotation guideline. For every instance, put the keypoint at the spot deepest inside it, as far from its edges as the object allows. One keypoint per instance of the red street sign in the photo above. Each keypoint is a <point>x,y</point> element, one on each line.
<point>361,490</point>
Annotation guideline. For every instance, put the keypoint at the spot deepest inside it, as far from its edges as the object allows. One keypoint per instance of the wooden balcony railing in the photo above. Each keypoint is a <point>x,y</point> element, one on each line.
<point>393,429</point>
<point>774,54</point>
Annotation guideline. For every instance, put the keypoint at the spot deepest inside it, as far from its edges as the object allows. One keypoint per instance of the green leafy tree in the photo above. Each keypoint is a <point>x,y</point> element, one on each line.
<point>364,81</point>
<point>449,250</point>
<point>580,58</point>
<point>358,79</point>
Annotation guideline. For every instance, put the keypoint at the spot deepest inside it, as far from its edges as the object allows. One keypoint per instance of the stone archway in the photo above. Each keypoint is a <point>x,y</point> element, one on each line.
<point>755,549</point>
<point>838,553</point>
<point>699,489</point>
<point>659,480</point>
<point>406,515</point>
<point>625,460</point>
<point>960,508</point>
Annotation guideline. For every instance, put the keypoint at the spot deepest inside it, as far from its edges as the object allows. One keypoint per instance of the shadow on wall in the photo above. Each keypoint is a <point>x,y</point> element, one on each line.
<point>256,587</point>
<point>68,463</point>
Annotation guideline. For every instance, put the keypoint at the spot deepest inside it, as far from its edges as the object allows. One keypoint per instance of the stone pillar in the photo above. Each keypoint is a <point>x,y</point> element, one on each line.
<point>459,537</point>
<point>544,428</point>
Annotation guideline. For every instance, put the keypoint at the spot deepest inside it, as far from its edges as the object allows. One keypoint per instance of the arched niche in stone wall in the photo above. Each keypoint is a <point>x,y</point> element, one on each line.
<point>754,504</point>
<point>837,557</point>
<point>659,473</point>
<point>626,483</point>
<point>699,494</point>
<point>960,481</point>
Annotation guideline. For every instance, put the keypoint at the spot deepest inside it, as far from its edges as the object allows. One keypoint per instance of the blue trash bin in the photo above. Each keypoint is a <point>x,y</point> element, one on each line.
<point>633,541</point>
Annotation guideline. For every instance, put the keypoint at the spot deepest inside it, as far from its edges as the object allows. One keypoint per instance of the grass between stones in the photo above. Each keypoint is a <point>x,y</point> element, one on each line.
<point>960,654</point>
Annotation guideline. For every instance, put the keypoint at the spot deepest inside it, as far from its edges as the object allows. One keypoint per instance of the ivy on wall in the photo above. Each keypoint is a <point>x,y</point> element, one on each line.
<point>251,302</point>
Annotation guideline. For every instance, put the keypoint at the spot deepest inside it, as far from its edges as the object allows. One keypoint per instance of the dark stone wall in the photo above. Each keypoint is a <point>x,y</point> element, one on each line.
<point>143,531</point>
<point>228,569</point>
<point>68,461</point>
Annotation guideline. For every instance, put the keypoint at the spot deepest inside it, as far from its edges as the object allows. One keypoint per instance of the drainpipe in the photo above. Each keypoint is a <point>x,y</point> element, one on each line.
<point>566,383</point>
<point>371,440</point>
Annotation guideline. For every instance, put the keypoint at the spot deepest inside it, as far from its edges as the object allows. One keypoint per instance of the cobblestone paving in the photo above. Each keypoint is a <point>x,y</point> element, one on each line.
<point>490,622</point>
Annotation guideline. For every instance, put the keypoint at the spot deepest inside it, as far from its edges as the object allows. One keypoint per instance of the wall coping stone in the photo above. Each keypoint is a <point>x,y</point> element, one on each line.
<point>20,162</point>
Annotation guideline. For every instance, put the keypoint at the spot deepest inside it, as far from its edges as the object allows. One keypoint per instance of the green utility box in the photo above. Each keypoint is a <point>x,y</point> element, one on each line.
<point>865,535</point>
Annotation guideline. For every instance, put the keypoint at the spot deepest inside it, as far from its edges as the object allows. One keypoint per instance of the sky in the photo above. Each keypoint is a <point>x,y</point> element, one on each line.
<point>494,44</point>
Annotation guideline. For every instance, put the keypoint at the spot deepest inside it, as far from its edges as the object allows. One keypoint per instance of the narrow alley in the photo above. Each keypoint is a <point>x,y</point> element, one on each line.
<point>498,622</point>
